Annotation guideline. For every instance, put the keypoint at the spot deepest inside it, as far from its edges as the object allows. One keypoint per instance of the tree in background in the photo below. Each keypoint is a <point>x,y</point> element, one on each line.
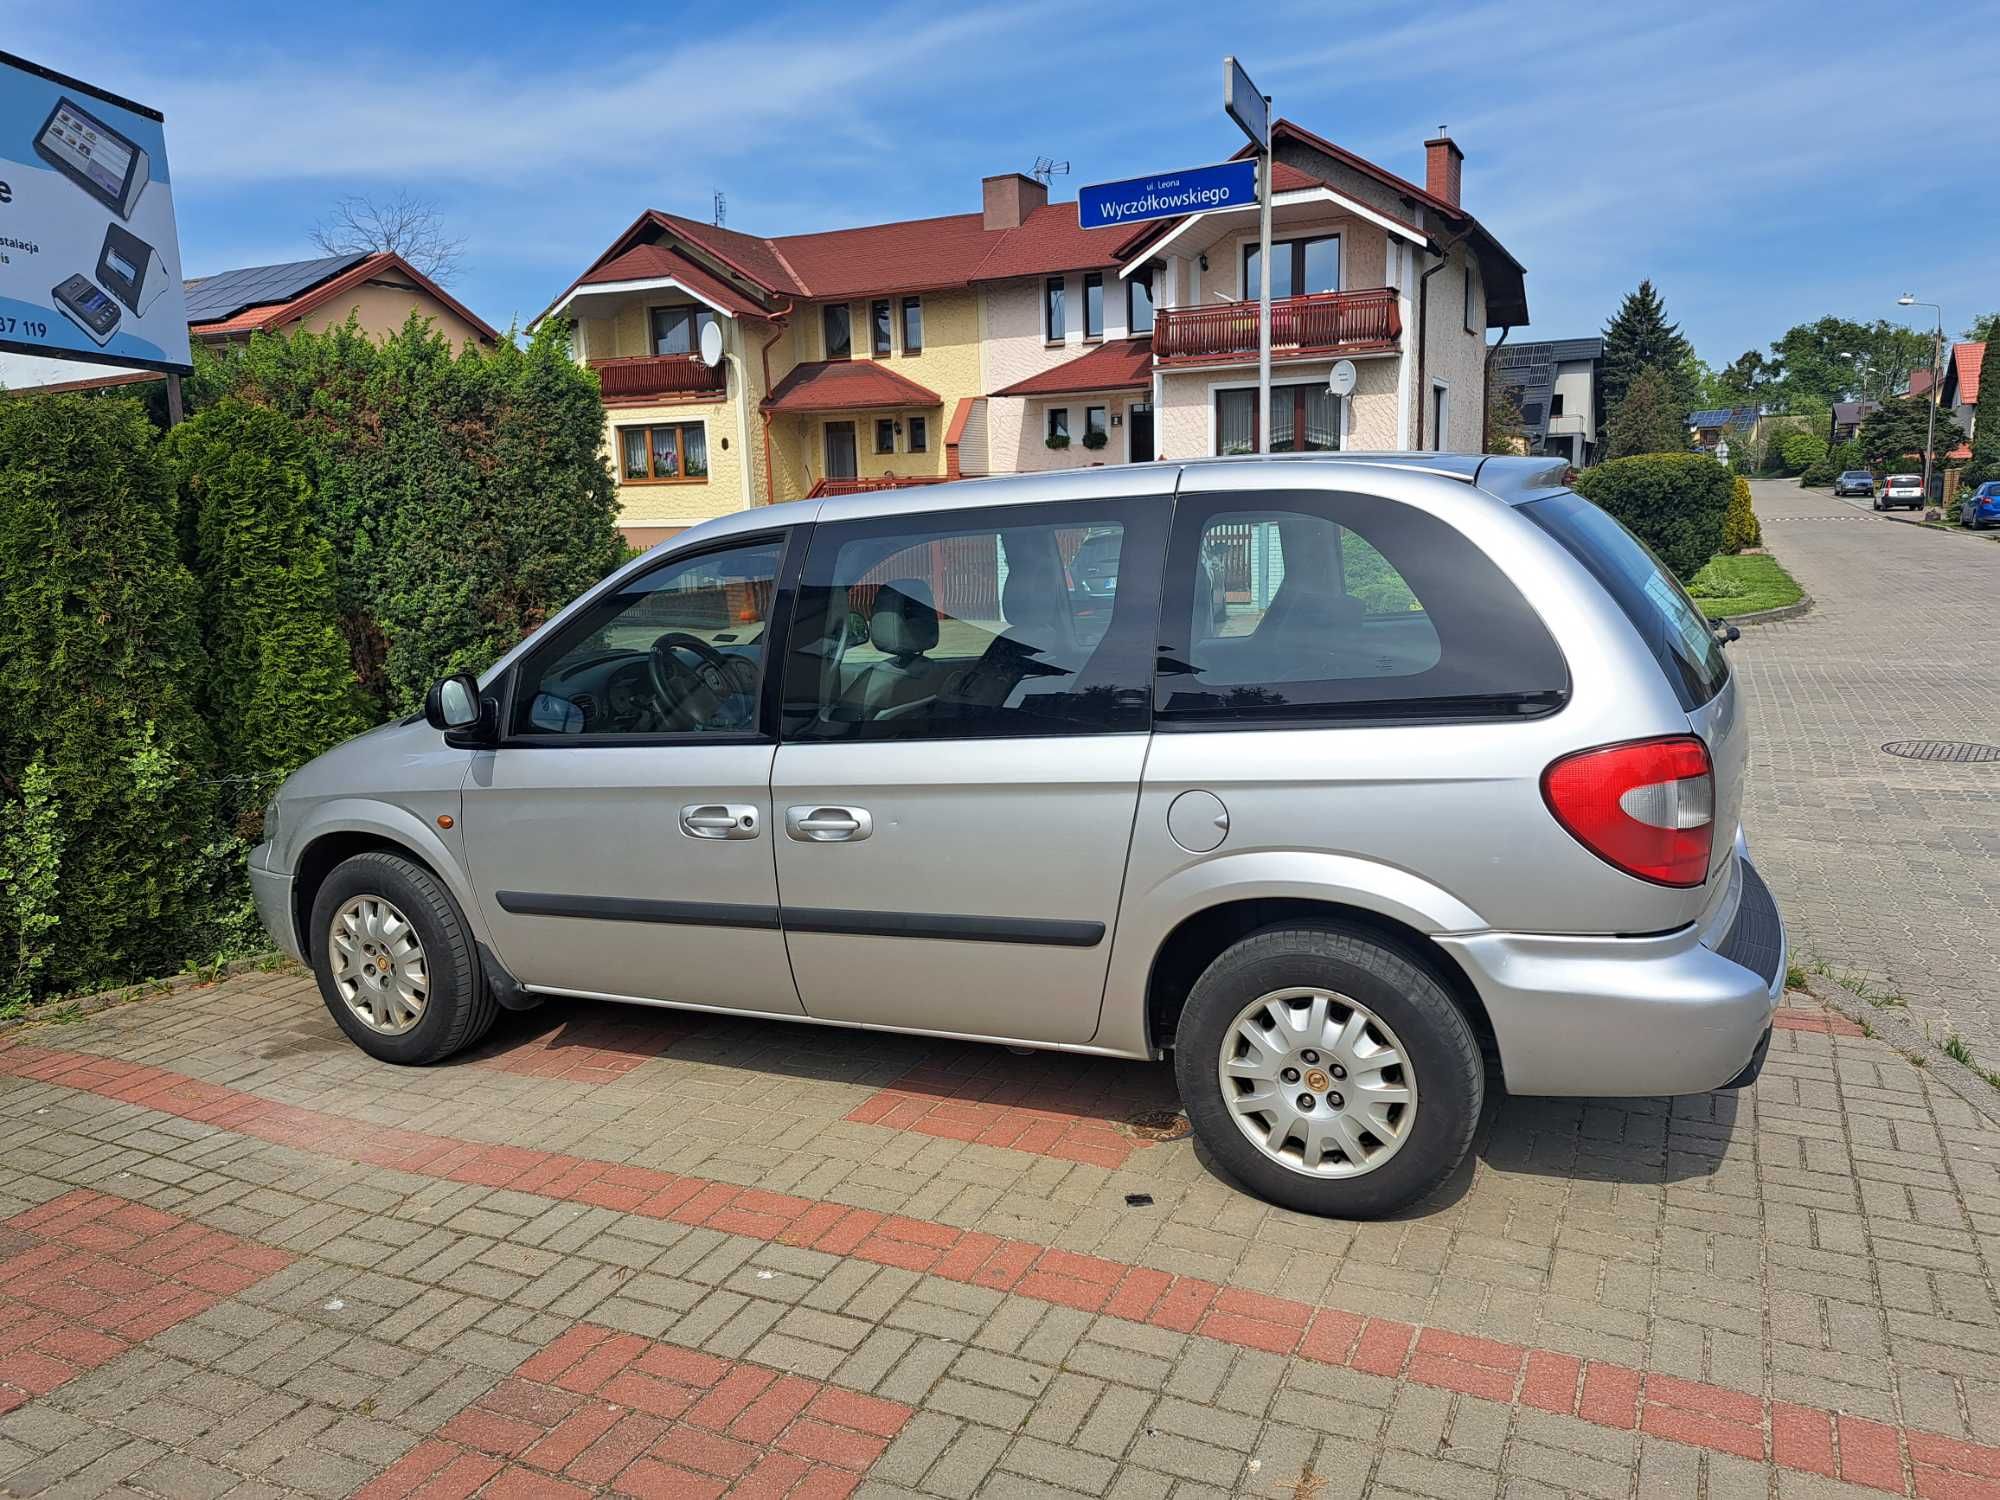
<point>1640,338</point>
<point>280,685</point>
<point>1800,449</point>
<point>1504,430</point>
<point>1650,419</point>
<point>1985,462</point>
<point>1894,436</point>
<point>1815,373</point>
<point>1983,329</point>
<point>103,755</point>
<point>1743,381</point>
<point>405,224</point>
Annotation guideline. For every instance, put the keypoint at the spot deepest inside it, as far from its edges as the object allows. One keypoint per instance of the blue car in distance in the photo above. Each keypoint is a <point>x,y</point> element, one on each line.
<point>1981,508</point>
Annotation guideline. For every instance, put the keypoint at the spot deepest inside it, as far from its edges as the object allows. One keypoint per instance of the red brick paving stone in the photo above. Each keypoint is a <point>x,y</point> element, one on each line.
<point>91,1275</point>
<point>591,1045</point>
<point>140,1242</point>
<point>1826,1022</point>
<point>735,1428</point>
<point>1048,1105</point>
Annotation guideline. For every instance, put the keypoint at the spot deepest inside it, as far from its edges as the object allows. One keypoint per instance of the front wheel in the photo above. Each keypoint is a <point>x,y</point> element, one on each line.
<point>396,963</point>
<point>1328,1071</point>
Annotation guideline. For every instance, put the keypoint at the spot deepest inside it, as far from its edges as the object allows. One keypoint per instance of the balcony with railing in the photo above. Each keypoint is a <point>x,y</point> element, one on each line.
<point>642,377</point>
<point>1313,326</point>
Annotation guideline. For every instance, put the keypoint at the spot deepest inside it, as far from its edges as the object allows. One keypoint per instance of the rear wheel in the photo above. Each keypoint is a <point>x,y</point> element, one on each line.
<point>395,961</point>
<point>1328,1071</point>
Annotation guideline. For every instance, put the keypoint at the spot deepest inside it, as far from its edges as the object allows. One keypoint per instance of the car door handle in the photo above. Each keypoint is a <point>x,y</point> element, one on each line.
<point>719,820</point>
<point>828,825</point>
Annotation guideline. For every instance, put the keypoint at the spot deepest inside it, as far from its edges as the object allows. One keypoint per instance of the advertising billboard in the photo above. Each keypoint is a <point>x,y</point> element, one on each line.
<point>90,265</point>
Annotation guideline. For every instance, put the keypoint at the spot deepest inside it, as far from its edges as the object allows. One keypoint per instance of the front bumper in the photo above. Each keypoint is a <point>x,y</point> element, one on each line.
<point>272,891</point>
<point>1629,1016</point>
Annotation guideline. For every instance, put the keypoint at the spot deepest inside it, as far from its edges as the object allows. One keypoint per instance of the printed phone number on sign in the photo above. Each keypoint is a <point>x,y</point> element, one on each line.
<point>23,326</point>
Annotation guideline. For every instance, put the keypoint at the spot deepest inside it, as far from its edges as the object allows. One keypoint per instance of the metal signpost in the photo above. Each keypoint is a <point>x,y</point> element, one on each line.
<point>1250,108</point>
<point>90,265</point>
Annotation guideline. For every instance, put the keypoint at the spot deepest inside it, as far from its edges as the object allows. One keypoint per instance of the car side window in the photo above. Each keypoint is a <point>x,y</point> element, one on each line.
<point>677,650</point>
<point>1312,607</point>
<point>1014,620</point>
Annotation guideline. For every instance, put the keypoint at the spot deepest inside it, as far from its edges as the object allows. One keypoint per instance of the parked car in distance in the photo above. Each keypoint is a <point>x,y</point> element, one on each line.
<point>1901,489</point>
<point>1981,508</point>
<point>1343,771</point>
<point>1855,482</point>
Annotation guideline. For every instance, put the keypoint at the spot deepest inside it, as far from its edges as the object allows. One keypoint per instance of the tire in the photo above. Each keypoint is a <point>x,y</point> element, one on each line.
<point>1347,966</point>
<point>457,1005</point>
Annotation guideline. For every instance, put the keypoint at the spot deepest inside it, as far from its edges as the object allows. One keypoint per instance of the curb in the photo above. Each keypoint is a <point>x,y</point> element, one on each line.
<point>130,994</point>
<point>1766,616</point>
<point>1894,1025</point>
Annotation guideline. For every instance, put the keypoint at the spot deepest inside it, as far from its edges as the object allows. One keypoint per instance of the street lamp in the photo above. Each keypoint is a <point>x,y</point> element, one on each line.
<point>1908,299</point>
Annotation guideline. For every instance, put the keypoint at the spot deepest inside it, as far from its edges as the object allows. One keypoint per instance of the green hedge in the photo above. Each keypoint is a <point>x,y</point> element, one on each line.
<point>1675,502</point>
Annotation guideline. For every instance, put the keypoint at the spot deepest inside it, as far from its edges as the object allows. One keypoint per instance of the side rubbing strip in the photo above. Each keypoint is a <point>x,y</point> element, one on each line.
<point>629,909</point>
<point>962,929</point>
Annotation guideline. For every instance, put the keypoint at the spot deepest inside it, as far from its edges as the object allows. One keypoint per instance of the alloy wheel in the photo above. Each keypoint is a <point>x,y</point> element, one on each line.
<point>1318,1082</point>
<point>378,965</point>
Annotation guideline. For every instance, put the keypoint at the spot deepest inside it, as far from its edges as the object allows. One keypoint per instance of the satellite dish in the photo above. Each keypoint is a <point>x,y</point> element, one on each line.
<point>711,344</point>
<point>1341,381</point>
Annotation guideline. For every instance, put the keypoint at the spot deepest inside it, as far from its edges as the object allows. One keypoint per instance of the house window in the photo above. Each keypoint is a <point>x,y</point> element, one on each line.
<point>1139,304</point>
<point>677,330</point>
<point>1052,309</point>
<point>913,325</point>
<point>1297,267</point>
<point>1556,404</point>
<point>1094,426</point>
<point>878,324</point>
<point>1304,419</point>
<point>1440,411</point>
<point>1093,305</point>
<point>920,436</point>
<point>834,321</point>
<point>885,434</point>
<point>670,452</point>
<point>1059,423</point>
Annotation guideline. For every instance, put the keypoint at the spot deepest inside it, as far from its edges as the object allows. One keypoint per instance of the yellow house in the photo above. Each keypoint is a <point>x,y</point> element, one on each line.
<point>1012,339</point>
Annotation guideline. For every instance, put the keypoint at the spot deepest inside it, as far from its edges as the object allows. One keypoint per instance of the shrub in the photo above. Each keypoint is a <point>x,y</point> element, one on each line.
<point>102,753</point>
<point>1800,450</point>
<point>280,685</point>
<point>1674,502</point>
<point>1739,522</point>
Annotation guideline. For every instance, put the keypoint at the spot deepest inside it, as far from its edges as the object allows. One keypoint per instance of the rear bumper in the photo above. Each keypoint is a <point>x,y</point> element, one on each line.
<point>1628,1016</point>
<point>272,891</point>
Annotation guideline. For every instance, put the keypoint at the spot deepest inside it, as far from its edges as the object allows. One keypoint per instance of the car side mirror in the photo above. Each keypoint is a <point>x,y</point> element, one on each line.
<point>857,628</point>
<point>456,706</point>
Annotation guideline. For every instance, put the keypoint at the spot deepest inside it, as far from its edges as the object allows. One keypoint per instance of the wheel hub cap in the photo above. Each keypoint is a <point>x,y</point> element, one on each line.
<point>378,965</point>
<point>1280,1060</point>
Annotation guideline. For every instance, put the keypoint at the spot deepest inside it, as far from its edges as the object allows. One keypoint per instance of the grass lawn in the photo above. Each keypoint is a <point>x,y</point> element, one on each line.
<point>1742,585</point>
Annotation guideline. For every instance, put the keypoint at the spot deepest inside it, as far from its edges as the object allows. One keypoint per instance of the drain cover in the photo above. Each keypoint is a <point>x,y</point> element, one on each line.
<point>1948,752</point>
<point>1158,1125</point>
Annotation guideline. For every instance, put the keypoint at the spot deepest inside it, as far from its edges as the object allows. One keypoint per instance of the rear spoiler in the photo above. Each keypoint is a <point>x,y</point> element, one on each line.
<point>1516,479</point>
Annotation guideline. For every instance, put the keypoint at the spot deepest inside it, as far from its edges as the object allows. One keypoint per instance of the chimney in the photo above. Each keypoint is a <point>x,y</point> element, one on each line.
<point>1010,198</point>
<point>1443,165</point>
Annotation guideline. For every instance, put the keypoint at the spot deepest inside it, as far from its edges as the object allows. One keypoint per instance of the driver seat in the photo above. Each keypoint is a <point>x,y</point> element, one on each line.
<point>904,626</point>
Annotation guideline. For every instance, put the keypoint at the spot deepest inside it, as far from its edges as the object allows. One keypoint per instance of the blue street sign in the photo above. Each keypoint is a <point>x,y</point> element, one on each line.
<point>1168,195</point>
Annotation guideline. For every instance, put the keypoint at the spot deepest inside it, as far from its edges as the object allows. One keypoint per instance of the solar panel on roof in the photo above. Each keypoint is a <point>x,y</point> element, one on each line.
<point>212,298</point>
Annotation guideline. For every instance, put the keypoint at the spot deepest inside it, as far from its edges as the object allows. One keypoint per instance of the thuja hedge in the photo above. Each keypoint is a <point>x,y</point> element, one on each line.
<point>184,619</point>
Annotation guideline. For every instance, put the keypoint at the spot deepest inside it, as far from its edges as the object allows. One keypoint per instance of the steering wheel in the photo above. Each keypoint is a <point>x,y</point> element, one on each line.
<point>688,695</point>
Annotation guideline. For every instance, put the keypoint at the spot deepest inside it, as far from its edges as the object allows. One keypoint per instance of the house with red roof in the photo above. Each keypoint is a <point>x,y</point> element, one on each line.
<point>1958,393</point>
<point>1012,339</point>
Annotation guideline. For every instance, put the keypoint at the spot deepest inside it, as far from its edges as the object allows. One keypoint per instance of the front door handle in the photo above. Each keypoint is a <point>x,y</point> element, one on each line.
<point>719,820</point>
<point>828,825</point>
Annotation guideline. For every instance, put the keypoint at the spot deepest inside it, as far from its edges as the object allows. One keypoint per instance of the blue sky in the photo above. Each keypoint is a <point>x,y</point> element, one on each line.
<point>1762,163</point>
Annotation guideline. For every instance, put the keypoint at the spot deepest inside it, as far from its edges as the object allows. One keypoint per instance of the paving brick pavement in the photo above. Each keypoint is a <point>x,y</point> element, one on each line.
<point>1884,867</point>
<point>499,1280</point>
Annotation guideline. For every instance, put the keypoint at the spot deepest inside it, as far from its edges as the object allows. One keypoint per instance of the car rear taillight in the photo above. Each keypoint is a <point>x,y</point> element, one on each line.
<point>1647,807</point>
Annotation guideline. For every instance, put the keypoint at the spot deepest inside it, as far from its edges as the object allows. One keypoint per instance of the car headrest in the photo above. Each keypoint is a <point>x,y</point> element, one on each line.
<point>905,621</point>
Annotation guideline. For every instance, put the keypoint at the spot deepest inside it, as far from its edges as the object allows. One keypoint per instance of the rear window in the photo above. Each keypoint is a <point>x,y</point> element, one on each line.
<point>1678,634</point>
<point>1317,607</point>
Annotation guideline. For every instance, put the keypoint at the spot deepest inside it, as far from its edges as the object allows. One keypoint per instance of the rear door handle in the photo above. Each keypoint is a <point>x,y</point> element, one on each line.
<point>828,825</point>
<point>719,820</point>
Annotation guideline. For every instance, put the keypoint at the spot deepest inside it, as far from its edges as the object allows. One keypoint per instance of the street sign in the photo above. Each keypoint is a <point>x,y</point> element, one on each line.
<point>1245,103</point>
<point>1341,381</point>
<point>1167,195</point>
<point>90,263</point>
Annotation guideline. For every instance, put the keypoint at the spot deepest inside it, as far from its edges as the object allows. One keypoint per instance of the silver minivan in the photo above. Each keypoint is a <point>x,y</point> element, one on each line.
<point>1332,776</point>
